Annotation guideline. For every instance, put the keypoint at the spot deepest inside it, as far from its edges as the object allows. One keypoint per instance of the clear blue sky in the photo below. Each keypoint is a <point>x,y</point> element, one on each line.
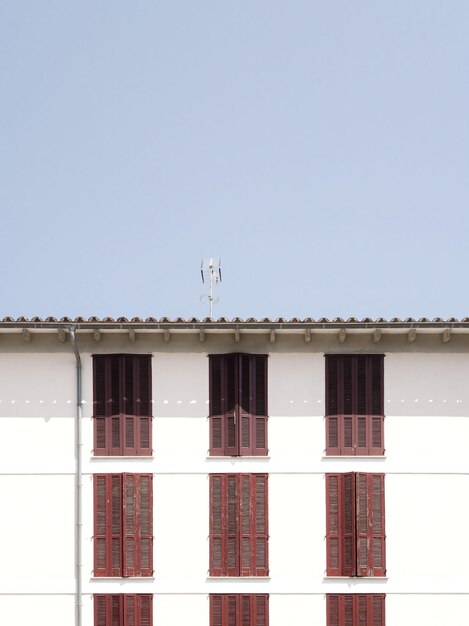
<point>320,148</point>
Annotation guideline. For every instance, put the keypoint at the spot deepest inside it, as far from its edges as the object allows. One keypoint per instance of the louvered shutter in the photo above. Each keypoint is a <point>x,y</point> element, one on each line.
<point>377,526</point>
<point>145,524</point>
<point>252,405</point>
<point>217,525</point>
<point>239,610</point>
<point>253,524</point>
<point>130,525</point>
<point>224,526</point>
<point>122,405</point>
<point>260,524</point>
<point>130,610</point>
<point>101,611</point>
<point>144,610</point>
<point>340,524</point>
<point>238,405</point>
<point>354,405</point>
<point>138,531</point>
<point>355,609</point>
<point>370,525</point>
<point>107,525</point>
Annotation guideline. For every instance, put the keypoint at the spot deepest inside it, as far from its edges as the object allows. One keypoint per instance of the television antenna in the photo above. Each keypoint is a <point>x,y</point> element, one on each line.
<point>210,270</point>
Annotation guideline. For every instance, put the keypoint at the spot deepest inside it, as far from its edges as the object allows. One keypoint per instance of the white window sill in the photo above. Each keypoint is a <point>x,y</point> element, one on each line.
<point>120,457</point>
<point>122,578</point>
<point>355,578</point>
<point>238,458</point>
<point>369,457</point>
<point>241,578</point>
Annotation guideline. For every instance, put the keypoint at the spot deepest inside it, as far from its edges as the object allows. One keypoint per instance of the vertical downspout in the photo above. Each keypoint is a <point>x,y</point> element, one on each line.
<point>78,484</point>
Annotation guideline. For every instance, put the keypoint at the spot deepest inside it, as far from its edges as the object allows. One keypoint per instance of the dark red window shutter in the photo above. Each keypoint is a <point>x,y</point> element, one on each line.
<point>355,534</point>
<point>145,526</point>
<point>355,609</point>
<point>238,525</point>
<point>107,525</point>
<point>354,404</point>
<point>122,405</point>
<point>123,610</point>
<point>123,535</point>
<point>340,526</point>
<point>239,610</point>
<point>370,525</point>
<point>238,405</point>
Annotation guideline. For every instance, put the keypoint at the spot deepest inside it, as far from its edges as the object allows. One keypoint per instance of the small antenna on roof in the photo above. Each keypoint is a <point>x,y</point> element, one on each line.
<point>210,270</point>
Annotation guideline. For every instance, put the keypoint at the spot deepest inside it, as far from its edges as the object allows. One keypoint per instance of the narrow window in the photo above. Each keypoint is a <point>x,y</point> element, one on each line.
<point>239,609</point>
<point>354,404</point>
<point>122,405</point>
<point>238,525</point>
<point>355,609</point>
<point>123,521</point>
<point>123,609</point>
<point>355,524</point>
<point>238,405</point>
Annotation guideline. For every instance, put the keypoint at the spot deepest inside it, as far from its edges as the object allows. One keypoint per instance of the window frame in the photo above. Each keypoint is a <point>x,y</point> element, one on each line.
<point>355,534</point>
<point>234,431</point>
<point>232,530</point>
<point>221,617</point>
<point>120,538</point>
<point>123,601</point>
<point>337,606</point>
<point>132,430</point>
<point>354,426</point>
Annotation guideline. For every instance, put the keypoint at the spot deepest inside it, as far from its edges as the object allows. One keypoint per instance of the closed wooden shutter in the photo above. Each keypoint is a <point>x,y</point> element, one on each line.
<point>340,533</point>
<point>123,610</point>
<point>238,525</point>
<point>238,405</point>
<point>239,610</point>
<point>355,533</point>
<point>123,535</point>
<point>107,525</point>
<point>355,609</point>
<point>122,405</point>
<point>354,404</point>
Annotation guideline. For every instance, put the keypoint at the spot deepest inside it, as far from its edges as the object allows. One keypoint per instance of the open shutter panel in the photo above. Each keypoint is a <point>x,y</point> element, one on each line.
<point>260,524</point>
<point>370,525</point>
<point>377,526</point>
<point>144,405</point>
<point>145,524</point>
<point>253,525</point>
<point>259,406</point>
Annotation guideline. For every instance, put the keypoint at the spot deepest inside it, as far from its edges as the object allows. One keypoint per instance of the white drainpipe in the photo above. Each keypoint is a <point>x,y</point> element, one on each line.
<point>78,483</point>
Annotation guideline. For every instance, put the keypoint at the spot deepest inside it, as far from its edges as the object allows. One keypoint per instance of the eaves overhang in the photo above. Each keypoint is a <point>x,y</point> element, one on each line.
<point>8,324</point>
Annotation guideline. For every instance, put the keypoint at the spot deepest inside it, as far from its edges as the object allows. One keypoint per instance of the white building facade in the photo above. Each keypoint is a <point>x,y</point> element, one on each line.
<point>182,519</point>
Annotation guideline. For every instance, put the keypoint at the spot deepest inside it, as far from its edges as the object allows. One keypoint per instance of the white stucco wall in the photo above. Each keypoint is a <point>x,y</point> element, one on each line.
<point>426,467</point>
